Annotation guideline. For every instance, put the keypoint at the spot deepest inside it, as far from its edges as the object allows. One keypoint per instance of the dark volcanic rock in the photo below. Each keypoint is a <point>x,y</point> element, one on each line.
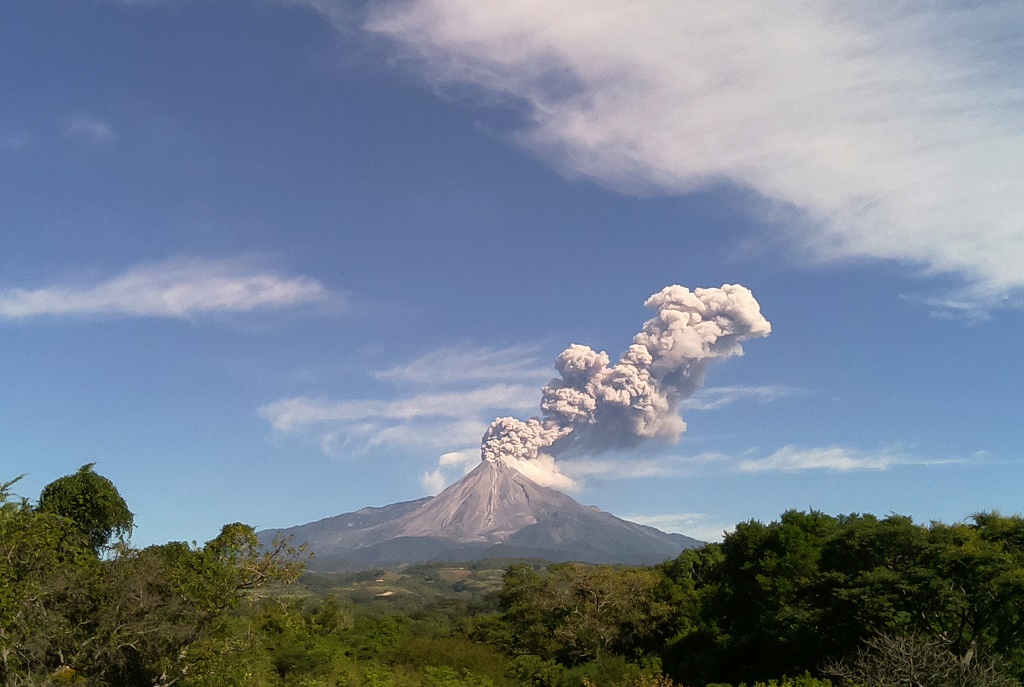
<point>493,512</point>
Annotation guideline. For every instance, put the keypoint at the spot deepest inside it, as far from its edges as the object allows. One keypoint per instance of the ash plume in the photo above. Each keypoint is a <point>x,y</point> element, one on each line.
<point>597,406</point>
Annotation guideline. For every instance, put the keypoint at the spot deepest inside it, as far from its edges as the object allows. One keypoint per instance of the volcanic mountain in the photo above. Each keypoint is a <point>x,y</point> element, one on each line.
<point>492,512</point>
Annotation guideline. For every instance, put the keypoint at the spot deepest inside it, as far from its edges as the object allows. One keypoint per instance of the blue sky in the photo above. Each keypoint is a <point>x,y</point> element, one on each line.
<point>390,217</point>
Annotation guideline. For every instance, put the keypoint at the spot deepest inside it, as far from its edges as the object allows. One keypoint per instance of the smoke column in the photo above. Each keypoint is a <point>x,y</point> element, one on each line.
<point>601,406</point>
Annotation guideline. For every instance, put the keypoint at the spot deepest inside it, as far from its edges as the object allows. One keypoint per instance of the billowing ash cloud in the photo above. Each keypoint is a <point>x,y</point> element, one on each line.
<point>598,405</point>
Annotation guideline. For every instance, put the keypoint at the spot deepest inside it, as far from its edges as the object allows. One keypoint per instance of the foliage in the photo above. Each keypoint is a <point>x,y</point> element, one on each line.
<point>46,570</point>
<point>907,661</point>
<point>811,588</point>
<point>576,612</point>
<point>90,501</point>
<point>872,601</point>
<point>131,619</point>
<point>802,681</point>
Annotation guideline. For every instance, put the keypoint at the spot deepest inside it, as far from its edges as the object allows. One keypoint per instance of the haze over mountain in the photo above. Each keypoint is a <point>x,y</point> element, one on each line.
<point>493,511</point>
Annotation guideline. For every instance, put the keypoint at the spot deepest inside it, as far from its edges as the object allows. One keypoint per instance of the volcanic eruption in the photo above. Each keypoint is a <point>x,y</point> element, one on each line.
<point>596,406</point>
<point>506,506</point>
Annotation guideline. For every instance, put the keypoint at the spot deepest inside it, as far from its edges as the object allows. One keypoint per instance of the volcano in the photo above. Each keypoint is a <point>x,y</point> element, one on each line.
<point>492,512</point>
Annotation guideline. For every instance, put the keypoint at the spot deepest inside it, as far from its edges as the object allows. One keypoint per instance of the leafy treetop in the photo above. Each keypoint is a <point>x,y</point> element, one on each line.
<point>90,501</point>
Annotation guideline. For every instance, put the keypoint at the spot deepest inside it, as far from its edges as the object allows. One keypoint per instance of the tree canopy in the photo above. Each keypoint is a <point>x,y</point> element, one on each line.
<point>134,618</point>
<point>92,502</point>
<point>857,600</point>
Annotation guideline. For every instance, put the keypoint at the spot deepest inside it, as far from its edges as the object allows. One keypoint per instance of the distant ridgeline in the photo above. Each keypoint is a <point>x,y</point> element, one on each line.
<point>492,512</point>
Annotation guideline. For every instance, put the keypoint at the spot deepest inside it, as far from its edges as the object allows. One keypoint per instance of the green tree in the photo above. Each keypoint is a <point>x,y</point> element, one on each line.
<point>768,595</point>
<point>975,599</point>
<point>788,596</point>
<point>47,572</point>
<point>163,600</point>
<point>92,502</point>
<point>139,617</point>
<point>577,612</point>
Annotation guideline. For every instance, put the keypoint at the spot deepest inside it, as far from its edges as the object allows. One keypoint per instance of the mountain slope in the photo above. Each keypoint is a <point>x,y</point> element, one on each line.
<point>494,511</point>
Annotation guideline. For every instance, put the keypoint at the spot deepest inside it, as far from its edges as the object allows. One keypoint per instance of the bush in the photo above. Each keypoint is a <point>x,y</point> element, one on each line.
<point>907,661</point>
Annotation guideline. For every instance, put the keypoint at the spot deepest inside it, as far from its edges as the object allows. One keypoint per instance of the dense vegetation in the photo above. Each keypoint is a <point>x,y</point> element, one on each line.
<point>855,600</point>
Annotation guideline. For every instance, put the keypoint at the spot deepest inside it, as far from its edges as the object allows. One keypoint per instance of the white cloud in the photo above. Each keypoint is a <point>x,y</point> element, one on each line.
<point>436,435</point>
<point>292,413</point>
<point>715,397</point>
<point>450,467</point>
<point>426,421</point>
<point>606,468</point>
<point>696,525</point>
<point>90,129</point>
<point>434,481</point>
<point>966,305</point>
<point>883,130</point>
<point>835,458</point>
<point>177,289</point>
<point>467,460</point>
<point>466,364</point>
<point>544,471</point>
<point>786,459</point>
<point>630,467</point>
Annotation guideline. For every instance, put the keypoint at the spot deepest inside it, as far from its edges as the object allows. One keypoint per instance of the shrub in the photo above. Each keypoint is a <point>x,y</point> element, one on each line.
<point>908,661</point>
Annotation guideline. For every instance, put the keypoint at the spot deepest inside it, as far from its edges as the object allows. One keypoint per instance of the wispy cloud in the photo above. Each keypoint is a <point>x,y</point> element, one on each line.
<point>715,397</point>
<point>178,289</point>
<point>971,306</point>
<point>836,459</point>
<point>16,140</point>
<point>292,413</point>
<point>90,129</point>
<point>446,400</point>
<point>786,459</point>
<point>696,525</point>
<point>632,467</point>
<point>467,364</point>
<point>437,434</point>
<point>437,421</point>
<point>888,131</point>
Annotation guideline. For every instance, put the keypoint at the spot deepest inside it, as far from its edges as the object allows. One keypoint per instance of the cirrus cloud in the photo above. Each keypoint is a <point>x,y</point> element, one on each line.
<point>836,458</point>
<point>90,129</point>
<point>290,414</point>
<point>176,289</point>
<point>880,130</point>
<point>453,365</point>
<point>431,419</point>
<point>716,397</point>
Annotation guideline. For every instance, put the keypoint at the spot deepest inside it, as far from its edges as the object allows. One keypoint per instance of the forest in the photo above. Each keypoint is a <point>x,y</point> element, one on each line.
<point>808,600</point>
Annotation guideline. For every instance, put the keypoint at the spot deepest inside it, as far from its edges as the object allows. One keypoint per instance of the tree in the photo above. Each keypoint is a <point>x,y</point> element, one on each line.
<point>767,597</point>
<point>791,595</point>
<point>90,501</point>
<point>576,613</point>
<point>140,617</point>
<point>160,602</point>
<point>46,573</point>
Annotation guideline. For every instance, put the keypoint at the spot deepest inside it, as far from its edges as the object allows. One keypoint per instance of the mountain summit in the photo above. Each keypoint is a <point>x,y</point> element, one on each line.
<point>494,511</point>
